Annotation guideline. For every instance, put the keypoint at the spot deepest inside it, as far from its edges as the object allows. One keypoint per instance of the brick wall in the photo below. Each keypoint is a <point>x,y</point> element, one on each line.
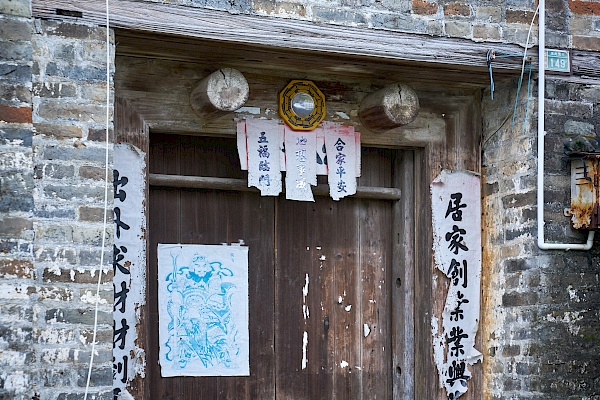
<point>570,23</point>
<point>52,157</point>
<point>541,308</point>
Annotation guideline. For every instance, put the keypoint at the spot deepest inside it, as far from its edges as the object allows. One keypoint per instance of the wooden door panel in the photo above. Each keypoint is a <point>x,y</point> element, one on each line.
<point>348,269</point>
<point>343,247</point>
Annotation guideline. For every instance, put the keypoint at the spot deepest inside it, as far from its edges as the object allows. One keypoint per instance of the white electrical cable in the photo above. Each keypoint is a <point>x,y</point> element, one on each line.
<point>104,226</point>
<point>540,150</point>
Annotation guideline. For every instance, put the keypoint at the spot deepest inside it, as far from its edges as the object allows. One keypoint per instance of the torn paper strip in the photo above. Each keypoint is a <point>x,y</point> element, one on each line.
<point>264,143</point>
<point>341,151</point>
<point>300,165</point>
<point>456,211</point>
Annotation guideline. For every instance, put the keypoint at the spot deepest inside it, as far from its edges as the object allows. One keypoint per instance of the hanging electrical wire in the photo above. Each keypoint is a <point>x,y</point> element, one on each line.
<point>106,183</point>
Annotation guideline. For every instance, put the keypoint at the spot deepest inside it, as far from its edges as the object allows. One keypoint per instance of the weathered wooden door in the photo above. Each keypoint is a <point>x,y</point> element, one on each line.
<point>320,278</point>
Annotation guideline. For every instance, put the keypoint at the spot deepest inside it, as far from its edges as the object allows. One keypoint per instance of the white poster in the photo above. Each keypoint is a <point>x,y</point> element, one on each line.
<point>263,138</point>
<point>300,164</point>
<point>129,263</point>
<point>342,162</point>
<point>203,310</point>
<point>456,211</point>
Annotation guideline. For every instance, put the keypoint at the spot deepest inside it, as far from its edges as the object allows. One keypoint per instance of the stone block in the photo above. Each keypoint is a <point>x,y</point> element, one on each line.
<point>83,316</point>
<point>21,8</point>
<point>458,29</point>
<point>75,275</point>
<point>73,31</point>
<point>14,29</point>
<point>94,173</point>
<point>20,115</point>
<point>486,32</point>
<point>15,136</point>
<point>584,7</point>
<point>519,299</point>
<point>89,235</point>
<point>279,8</point>
<point>339,16</point>
<point>99,135</point>
<point>397,22</point>
<point>457,8</point>
<point>14,268</point>
<point>14,94</point>
<point>489,14</point>
<point>54,171</point>
<point>99,377</point>
<point>519,16</point>
<point>91,257</point>
<point>574,109</point>
<point>15,51</point>
<point>424,7</point>
<point>586,43</point>
<point>89,154</point>
<point>511,350</point>
<point>54,89</point>
<point>9,313</point>
<point>518,265</point>
<point>76,72</point>
<point>54,293</point>
<point>14,226</point>
<point>14,72</point>
<point>53,109</point>
<point>396,5</point>
<point>74,192</point>
<point>519,200</point>
<point>576,128</point>
<point>55,254</point>
<point>54,212</point>
<point>16,192</point>
<point>58,131</point>
<point>94,214</point>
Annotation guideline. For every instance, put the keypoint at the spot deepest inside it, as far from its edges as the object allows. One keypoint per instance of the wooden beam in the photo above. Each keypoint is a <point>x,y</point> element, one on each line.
<point>388,108</point>
<point>222,26</point>
<point>202,182</point>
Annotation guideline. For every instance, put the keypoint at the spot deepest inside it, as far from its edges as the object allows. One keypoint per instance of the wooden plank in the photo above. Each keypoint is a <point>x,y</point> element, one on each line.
<point>239,28</point>
<point>224,217</point>
<point>202,182</point>
<point>403,277</point>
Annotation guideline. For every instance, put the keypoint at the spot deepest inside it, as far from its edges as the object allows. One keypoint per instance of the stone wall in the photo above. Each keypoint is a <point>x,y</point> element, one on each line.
<point>540,329</point>
<point>570,23</point>
<point>541,308</point>
<point>52,161</point>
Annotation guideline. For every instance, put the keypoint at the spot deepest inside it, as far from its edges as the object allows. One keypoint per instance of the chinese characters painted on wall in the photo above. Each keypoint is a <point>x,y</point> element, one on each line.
<point>266,148</point>
<point>456,211</point>
<point>129,263</point>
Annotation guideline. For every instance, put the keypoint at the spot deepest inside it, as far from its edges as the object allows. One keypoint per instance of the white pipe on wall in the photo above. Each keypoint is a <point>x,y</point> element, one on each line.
<point>540,148</point>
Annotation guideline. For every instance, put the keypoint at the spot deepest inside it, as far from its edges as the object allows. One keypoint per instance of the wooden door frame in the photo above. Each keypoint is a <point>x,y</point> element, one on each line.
<point>454,147</point>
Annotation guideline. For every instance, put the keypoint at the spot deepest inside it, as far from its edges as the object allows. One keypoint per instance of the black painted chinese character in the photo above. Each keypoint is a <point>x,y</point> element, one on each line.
<point>458,313</point>
<point>120,368</point>
<point>263,151</point>
<point>264,166</point>
<point>456,239</point>
<point>121,297</point>
<point>262,138</point>
<point>341,187</point>
<point>120,224</point>
<point>456,335</point>
<point>120,334</point>
<point>458,272</point>
<point>119,194</point>
<point>117,258</point>
<point>339,144</point>
<point>340,158</point>
<point>264,180</point>
<point>456,371</point>
<point>454,207</point>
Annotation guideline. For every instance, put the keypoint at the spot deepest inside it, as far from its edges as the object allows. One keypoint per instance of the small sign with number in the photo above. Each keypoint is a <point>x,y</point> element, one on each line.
<point>558,61</point>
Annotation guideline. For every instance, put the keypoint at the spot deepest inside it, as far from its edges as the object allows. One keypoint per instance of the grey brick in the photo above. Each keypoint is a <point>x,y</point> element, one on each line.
<point>74,153</point>
<point>76,72</point>
<point>70,192</point>
<point>15,29</point>
<point>15,73</point>
<point>21,8</point>
<point>83,316</point>
<point>338,16</point>
<point>54,89</point>
<point>15,51</point>
<point>15,136</point>
<point>54,171</point>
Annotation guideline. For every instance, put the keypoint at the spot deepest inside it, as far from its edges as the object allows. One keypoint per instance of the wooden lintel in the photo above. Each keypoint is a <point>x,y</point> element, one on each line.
<point>222,26</point>
<point>202,182</point>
